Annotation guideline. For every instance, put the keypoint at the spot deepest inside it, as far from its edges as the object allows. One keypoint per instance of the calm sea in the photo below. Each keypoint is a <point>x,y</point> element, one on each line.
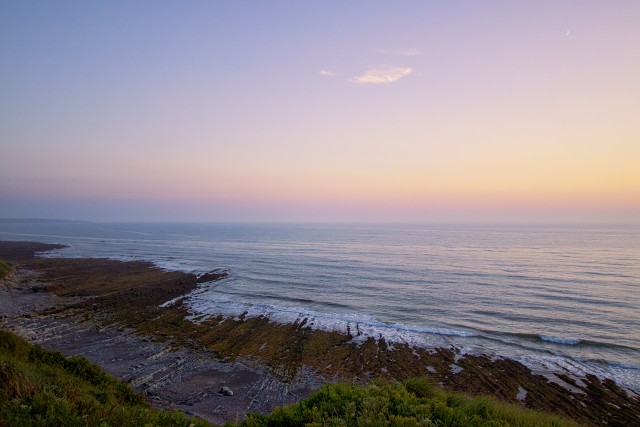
<point>552,297</point>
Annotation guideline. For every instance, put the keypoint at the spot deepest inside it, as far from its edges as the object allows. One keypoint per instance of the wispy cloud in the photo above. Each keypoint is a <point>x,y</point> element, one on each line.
<point>327,73</point>
<point>382,74</point>
<point>412,51</point>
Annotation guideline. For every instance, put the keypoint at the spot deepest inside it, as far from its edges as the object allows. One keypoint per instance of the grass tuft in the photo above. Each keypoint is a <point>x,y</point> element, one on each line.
<point>5,269</point>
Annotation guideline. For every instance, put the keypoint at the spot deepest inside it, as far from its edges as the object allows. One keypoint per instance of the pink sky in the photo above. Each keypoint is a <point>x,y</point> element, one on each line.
<point>321,112</point>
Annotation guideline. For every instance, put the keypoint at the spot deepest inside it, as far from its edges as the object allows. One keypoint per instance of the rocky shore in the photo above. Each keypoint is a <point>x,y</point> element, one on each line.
<point>113,313</point>
<point>189,378</point>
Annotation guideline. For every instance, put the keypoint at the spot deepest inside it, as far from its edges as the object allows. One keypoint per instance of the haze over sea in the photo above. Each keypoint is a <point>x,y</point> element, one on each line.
<point>554,297</point>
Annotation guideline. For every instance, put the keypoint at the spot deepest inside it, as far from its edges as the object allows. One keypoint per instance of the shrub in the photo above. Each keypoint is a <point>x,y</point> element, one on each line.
<point>415,402</point>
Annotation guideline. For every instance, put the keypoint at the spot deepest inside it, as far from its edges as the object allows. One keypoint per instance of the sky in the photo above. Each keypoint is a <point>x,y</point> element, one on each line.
<point>295,111</point>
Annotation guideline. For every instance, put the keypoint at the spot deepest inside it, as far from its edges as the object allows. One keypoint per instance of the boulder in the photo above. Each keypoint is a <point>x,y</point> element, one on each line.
<point>226,391</point>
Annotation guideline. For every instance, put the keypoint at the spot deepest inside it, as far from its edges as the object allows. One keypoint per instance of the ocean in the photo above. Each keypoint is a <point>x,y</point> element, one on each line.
<point>554,297</point>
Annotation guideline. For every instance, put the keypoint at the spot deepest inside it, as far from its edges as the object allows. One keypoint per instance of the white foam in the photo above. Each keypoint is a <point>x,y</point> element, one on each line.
<point>522,394</point>
<point>171,302</point>
<point>627,376</point>
<point>203,304</point>
<point>361,326</point>
<point>172,266</point>
<point>560,340</point>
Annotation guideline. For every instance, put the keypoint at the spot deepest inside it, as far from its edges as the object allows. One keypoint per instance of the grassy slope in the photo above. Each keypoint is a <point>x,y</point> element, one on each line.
<point>43,388</point>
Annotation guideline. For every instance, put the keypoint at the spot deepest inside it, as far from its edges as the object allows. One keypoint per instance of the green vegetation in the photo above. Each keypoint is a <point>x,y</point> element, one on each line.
<point>5,269</point>
<point>39,387</point>
<point>44,388</point>
<point>413,402</point>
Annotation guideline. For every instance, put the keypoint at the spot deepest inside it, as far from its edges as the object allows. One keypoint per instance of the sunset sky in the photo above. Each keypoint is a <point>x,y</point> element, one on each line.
<point>320,111</point>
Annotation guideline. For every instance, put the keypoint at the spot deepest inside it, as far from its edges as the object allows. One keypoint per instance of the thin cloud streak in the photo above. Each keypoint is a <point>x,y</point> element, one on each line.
<point>382,74</point>
<point>412,51</point>
<point>327,73</point>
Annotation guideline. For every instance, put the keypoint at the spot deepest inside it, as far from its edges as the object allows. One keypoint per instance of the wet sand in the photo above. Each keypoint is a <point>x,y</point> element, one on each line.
<point>109,311</point>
